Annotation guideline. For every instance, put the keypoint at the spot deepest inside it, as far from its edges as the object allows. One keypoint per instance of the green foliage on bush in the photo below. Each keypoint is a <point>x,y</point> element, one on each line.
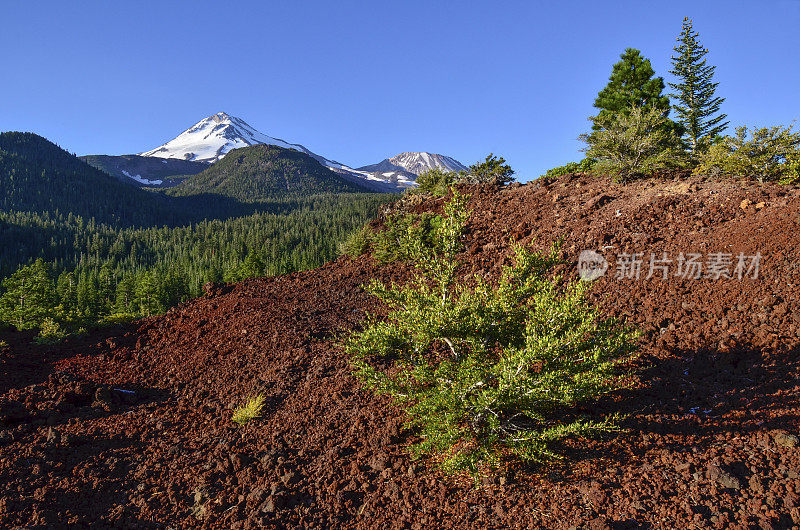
<point>768,154</point>
<point>404,234</point>
<point>635,144</point>
<point>493,170</point>
<point>118,318</point>
<point>485,370</point>
<point>584,166</point>
<point>399,238</point>
<point>357,242</point>
<point>50,332</point>
<point>437,181</point>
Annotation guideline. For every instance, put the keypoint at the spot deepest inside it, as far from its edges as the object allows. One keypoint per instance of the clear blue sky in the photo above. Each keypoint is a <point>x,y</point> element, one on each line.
<point>361,81</point>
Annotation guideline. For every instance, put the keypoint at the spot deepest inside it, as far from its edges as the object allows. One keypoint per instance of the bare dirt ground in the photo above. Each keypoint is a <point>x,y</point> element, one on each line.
<point>131,427</point>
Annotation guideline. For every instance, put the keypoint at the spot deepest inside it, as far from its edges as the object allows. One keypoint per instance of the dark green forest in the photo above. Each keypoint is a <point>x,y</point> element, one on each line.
<point>38,176</point>
<point>79,247</point>
<point>264,172</point>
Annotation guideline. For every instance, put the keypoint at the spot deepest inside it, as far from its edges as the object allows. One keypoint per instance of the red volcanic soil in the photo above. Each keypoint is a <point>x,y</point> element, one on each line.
<point>132,427</point>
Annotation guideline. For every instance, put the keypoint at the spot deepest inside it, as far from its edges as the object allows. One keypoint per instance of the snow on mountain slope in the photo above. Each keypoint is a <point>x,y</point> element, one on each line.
<point>416,163</point>
<point>211,138</point>
<point>142,180</point>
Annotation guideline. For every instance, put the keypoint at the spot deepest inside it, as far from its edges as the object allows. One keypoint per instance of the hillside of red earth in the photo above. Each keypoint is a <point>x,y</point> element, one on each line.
<point>131,427</point>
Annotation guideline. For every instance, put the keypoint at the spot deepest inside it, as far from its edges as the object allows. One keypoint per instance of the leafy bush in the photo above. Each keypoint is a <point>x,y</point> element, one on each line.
<point>403,233</point>
<point>250,410</point>
<point>437,181</point>
<point>493,170</point>
<point>634,144</point>
<point>50,332</point>
<point>118,318</point>
<point>584,166</point>
<point>487,370</point>
<point>357,243</point>
<point>767,154</point>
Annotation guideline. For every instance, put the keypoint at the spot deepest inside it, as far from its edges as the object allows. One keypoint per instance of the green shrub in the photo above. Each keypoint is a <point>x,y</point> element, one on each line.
<point>50,332</point>
<point>357,243</point>
<point>250,410</point>
<point>396,241</point>
<point>635,144</point>
<point>118,318</point>
<point>485,370</point>
<point>493,170</point>
<point>767,154</point>
<point>437,181</point>
<point>402,234</point>
<point>584,166</point>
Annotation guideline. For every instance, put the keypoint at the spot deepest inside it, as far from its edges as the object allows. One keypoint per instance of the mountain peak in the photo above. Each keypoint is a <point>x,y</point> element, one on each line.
<point>416,162</point>
<point>211,138</point>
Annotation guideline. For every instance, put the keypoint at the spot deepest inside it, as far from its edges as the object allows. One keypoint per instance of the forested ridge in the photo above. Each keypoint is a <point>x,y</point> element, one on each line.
<point>78,246</point>
<point>38,176</point>
<point>263,172</point>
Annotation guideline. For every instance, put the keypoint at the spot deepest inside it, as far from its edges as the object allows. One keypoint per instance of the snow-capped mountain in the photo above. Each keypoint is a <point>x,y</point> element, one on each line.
<point>212,138</point>
<point>415,163</point>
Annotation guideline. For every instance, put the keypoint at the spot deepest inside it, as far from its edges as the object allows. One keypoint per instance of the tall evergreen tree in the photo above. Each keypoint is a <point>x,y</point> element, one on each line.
<point>697,108</point>
<point>126,295</point>
<point>29,296</point>
<point>148,295</point>
<point>631,84</point>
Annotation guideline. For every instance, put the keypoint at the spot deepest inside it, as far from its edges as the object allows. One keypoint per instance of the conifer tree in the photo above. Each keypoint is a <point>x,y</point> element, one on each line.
<point>697,108</point>
<point>148,299</point>
<point>67,290</point>
<point>105,288</point>
<point>631,84</point>
<point>126,295</point>
<point>29,296</point>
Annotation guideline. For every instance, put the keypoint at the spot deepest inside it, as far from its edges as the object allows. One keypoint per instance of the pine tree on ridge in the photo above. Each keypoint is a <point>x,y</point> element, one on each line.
<point>697,108</point>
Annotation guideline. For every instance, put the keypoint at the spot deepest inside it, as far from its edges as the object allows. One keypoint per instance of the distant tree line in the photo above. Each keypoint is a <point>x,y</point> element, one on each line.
<point>66,273</point>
